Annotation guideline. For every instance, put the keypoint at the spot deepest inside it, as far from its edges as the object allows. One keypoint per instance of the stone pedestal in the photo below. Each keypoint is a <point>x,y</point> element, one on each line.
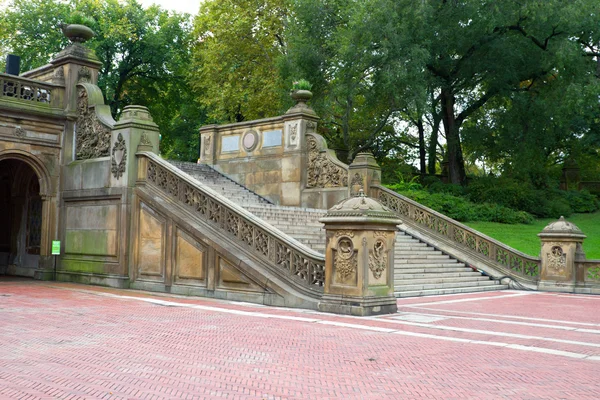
<point>561,249</point>
<point>363,173</point>
<point>359,264</point>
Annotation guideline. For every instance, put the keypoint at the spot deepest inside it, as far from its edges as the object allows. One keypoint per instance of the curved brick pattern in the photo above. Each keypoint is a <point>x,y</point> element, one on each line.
<point>80,342</point>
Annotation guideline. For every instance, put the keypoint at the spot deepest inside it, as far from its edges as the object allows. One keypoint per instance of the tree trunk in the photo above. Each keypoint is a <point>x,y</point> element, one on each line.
<point>456,165</point>
<point>422,151</point>
<point>433,143</point>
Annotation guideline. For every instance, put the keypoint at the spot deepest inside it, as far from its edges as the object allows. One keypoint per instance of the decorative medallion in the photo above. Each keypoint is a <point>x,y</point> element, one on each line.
<point>345,260</point>
<point>19,132</point>
<point>119,157</point>
<point>378,259</point>
<point>250,140</point>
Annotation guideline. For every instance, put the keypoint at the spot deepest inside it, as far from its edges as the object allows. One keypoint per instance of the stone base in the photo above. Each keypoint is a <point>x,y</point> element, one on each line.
<point>116,281</point>
<point>358,306</point>
<point>556,286</point>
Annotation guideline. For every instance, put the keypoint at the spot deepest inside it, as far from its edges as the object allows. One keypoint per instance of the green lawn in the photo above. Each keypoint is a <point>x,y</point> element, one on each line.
<point>524,237</point>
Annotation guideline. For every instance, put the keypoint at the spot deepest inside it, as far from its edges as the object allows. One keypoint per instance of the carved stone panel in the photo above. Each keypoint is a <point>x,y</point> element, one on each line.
<point>345,263</point>
<point>322,171</point>
<point>93,137</point>
<point>232,278</point>
<point>190,260</point>
<point>118,161</point>
<point>378,259</point>
<point>151,237</point>
<point>557,261</point>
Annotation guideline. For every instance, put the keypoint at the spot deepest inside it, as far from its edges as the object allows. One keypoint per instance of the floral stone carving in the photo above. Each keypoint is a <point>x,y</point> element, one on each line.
<point>378,259</point>
<point>119,157</point>
<point>345,261</point>
<point>93,138</point>
<point>322,171</point>
<point>557,261</point>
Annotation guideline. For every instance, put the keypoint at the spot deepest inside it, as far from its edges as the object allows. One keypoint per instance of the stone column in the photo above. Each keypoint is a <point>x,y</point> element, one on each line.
<point>208,138</point>
<point>363,173</point>
<point>561,249</point>
<point>359,259</point>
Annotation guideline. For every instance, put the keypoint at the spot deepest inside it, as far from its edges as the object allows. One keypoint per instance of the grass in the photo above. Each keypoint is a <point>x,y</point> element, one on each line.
<point>524,237</point>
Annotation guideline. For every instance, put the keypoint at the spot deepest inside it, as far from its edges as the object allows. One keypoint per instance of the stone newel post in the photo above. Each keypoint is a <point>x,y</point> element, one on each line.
<point>561,248</point>
<point>359,260</point>
<point>363,173</point>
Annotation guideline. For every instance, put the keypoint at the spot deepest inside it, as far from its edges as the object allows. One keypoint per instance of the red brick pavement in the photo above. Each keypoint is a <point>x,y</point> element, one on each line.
<point>64,341</point>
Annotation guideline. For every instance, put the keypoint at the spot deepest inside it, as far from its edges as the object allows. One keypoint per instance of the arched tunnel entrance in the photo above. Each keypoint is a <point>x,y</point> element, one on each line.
<point>20,218</point>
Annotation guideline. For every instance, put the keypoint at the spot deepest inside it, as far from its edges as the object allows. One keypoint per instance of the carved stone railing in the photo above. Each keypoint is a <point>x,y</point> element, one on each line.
<point>30,91</point>
<point>591,271</point>
<point>483,248</point>
<point>290,259</point>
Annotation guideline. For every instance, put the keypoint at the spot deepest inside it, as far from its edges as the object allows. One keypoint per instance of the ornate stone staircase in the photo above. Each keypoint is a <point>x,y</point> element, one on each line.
<point>420,269</point>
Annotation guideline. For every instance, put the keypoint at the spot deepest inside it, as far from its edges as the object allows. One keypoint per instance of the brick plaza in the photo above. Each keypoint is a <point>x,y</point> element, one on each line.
<point>66,341</point>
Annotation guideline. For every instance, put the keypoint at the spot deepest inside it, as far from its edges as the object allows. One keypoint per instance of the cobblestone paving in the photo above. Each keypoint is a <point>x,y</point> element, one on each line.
<point>64,341</point>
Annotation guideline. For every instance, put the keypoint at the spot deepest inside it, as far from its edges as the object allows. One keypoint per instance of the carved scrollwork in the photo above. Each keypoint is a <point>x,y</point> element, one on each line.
<point>84,75</point>
<point>378,259</point>
<point>322,171</point>
<point>119,149</point>
<point>144,140</point>
<point>93,138</point>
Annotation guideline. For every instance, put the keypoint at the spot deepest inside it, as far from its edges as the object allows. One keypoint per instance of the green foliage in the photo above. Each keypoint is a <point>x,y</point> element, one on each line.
<point>80,19</point>
<point>235,58</point>
<point>301,84</point>
<point>461,209</point>
<point>522,196</point>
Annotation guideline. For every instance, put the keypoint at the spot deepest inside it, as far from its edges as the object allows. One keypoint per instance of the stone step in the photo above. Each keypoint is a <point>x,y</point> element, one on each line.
<point>434,292</point>
<point>452,285</point>
<point>439,279</point>
<point>426,251</point>
<point>421,255</point>
<point>443,275</point>
<point>429,269</point>
<point>428,261</point>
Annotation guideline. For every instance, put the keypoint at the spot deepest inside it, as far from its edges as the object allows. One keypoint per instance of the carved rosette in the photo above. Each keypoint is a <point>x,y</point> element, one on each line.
<point>378,258</point>
<point>93,138</point>
<point>19,132</point>
<point>322,171</point>
<point>118,160</point>
<point>346,263</point>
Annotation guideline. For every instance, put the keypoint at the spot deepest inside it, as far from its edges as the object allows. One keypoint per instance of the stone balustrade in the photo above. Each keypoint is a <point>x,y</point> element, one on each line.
<point>31,91</point>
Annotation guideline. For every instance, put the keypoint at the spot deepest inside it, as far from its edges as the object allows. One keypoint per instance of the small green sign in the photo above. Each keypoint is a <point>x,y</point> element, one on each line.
<point>56,247</point>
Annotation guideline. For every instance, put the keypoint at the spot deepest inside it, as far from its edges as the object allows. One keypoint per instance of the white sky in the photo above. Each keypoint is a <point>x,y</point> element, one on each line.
<point>188,6</point>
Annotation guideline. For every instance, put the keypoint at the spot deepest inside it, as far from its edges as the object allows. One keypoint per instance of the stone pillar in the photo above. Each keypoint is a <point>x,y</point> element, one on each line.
<point>359,259</point>
<point>208,137</point>
<point>363,173</point>
<point>135,131</point>
<point>561,249</point>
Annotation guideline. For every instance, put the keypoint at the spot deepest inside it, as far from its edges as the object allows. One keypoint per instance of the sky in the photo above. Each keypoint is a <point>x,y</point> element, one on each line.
<point>188,6</point>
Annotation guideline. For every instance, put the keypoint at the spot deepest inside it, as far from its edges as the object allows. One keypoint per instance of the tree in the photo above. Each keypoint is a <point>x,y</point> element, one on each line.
<point>235,58</point>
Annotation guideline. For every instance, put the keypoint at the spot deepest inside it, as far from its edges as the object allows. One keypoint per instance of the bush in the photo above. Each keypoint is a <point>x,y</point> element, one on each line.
<point>461,209</point>
<point>581,201</point>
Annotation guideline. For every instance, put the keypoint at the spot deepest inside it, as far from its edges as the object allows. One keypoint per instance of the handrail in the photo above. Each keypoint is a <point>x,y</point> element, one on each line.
<point>25,89</point>
<point>288,257</point>
<point>490,251</point>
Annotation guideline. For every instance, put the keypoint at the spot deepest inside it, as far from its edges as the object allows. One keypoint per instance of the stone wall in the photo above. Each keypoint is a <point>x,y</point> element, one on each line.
<point>282,159</point>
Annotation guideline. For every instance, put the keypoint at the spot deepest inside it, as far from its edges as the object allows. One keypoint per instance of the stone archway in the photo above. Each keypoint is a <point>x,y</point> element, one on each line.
<point>26,214</point>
